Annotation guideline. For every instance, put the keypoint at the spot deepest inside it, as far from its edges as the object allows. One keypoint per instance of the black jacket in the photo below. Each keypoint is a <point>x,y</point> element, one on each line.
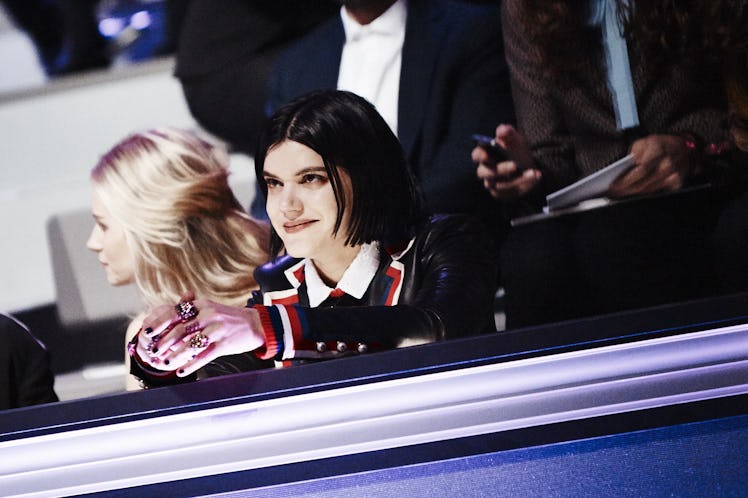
<point>25,376</point>
<point>446,279</point>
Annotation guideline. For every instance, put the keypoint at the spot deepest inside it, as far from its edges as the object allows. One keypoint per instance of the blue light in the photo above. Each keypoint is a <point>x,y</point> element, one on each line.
<point>140,20</point>
<point>111,26</point>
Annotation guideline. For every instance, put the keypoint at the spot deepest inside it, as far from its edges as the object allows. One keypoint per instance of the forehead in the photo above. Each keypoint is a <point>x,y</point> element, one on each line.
<point>289,158</point>
<point>97,205</point>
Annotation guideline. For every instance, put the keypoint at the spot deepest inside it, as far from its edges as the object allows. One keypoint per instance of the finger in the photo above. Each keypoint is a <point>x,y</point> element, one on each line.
<point>646,150</point>
<point>199,360</point>
<point>507,169</point>
<point>643,186</point>
<point>515,144</point>
<point>183,312</point>
<point>157,347</point>
<point>480,156</point>
<point>660,183</point>
<point>666,168</point>
<point>518,186</point>
<point>161,319</point>
<point>673,182</point>
<point>630,182</point>
<point>197,335</point>
<point>528,180</point>
<point>162,334</point>
<point>163,349</point>
<point>486,172</point>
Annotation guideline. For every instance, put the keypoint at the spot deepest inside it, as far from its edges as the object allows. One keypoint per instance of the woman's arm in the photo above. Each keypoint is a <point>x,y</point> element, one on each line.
<point>539,116</point>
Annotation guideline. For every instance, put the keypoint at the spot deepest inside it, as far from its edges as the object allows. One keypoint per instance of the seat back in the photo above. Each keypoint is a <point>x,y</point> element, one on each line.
<point>83,294</point>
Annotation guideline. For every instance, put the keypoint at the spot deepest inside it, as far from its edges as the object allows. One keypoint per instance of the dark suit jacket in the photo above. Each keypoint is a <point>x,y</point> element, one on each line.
<point>453,83</point>
<point>25,377</point>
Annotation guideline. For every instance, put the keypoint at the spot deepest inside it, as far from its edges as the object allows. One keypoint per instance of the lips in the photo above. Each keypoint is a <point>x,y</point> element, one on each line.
<point>297,226</point>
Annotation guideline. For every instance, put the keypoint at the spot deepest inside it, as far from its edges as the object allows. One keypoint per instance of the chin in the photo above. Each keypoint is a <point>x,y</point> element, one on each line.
<point>117,281</point>
<point>296,252</point>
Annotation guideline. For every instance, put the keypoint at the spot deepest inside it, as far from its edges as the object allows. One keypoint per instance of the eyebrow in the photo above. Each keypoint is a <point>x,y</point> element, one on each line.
<point>301,172</point>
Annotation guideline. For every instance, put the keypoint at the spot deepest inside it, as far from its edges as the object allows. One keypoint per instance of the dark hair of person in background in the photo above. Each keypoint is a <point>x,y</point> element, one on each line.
<point>663,29</point>
<point>380,210</point>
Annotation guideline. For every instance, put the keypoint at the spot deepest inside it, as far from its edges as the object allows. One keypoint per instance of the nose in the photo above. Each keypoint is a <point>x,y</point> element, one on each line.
<point>290,204</point>
<point>93,243</point>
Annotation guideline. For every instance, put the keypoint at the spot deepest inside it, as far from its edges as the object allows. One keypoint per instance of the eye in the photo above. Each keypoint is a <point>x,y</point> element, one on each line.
<point>272,183</point>
<point>313,178</point>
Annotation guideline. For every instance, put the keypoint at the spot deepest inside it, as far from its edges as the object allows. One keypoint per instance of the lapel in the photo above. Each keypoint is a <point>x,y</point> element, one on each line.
<point>323,71</point>
<point>424,35</point>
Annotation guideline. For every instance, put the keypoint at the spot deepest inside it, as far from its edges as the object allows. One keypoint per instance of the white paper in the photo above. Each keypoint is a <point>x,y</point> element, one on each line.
<point>589,187</point>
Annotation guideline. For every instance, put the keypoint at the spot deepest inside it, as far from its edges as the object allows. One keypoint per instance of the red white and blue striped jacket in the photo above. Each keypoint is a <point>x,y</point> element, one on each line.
<point>441,285</point>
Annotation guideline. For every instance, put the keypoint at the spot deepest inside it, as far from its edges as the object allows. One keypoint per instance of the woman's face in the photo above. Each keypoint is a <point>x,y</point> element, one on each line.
<point>301,203</point>
<point>107,240</point>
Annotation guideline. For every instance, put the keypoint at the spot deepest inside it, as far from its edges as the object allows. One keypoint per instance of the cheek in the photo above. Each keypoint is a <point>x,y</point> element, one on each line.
<point>119,251</point>
<point>272,210</point>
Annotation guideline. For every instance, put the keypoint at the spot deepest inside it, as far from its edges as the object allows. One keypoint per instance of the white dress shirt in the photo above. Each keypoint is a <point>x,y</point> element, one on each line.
<point>355,280</point>
<point>371,59</point>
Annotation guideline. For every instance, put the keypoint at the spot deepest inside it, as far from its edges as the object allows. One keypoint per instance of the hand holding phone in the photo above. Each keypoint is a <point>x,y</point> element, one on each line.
<point>512,174</point>
<point>496,152</point>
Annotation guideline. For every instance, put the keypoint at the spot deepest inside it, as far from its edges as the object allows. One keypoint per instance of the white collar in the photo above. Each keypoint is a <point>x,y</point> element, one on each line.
<point>390,22</point>
<point>355,280</point>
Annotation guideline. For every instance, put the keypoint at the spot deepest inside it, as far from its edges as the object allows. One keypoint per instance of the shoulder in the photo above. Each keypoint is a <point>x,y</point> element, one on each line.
<point>462,27</point>
<point>462,8</point>
<point>458,15</point>
<point>16,337</point>
<point>309,44</point>
<point>450,224</point>
<point>272,275</point>
<point>14,331</point>
<point>443,233</point>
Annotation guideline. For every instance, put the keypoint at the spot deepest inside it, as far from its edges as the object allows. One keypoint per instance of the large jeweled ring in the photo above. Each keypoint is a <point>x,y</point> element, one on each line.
<point>199,341</point>
<point>186,310</point>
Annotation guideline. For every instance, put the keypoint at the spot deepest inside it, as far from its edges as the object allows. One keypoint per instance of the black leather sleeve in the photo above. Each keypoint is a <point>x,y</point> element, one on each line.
<point>448,291</point>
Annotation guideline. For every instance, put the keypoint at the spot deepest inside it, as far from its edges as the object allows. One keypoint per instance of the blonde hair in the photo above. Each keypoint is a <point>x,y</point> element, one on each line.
<point>186,230</point>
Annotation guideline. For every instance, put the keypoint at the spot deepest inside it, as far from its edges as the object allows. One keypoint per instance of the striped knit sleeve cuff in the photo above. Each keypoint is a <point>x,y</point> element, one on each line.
<point>284,327</point>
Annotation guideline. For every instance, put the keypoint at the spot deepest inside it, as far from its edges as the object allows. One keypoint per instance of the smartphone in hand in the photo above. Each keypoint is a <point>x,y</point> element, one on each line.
<point>496,152</point>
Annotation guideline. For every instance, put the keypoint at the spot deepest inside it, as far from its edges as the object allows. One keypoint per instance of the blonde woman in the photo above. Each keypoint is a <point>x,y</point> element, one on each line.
<point>167,220</point>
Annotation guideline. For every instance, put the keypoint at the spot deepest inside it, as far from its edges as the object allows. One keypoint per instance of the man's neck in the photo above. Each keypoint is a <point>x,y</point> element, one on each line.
<point>364,14</point>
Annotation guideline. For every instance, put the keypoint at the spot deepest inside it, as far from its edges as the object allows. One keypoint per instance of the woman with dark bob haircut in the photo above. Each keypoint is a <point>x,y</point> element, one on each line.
<point>361,268</point>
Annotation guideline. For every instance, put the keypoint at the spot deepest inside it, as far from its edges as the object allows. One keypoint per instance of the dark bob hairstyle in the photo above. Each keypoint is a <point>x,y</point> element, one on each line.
<point>348,133</point>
